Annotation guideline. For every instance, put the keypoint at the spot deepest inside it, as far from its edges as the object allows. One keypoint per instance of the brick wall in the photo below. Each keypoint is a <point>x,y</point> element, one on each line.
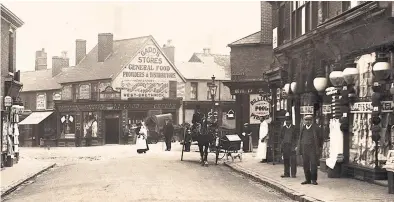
<point>252,61</point>
<point>266,22</point>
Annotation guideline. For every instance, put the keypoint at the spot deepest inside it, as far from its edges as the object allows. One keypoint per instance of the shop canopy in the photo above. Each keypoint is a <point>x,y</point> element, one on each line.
<point>35,118</point>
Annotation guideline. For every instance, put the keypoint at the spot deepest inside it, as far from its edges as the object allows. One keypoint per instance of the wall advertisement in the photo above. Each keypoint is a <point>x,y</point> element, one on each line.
<point>41,102</point>
<point>147,75</point>
<point>259,107</point>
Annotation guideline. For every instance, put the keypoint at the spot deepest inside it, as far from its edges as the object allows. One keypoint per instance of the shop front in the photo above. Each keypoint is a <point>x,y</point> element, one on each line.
<point>38,127</point>
<point>106,120</point>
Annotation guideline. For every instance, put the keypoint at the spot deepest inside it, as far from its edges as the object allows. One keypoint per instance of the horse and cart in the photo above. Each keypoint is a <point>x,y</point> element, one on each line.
<point>211,139</point>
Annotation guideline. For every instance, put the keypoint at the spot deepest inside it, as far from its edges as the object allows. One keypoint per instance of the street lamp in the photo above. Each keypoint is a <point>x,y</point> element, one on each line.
<point>212,89</point>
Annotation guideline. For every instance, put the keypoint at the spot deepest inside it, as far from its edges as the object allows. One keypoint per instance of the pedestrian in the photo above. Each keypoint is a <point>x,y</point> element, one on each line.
<point>309,146</point>
<point>289,145</point>
<point>142,136</point>
<point>188,137</point>
<point>247,138</point>
<point>168,131</point>
<point>126,133</point>
<point>263,139</point>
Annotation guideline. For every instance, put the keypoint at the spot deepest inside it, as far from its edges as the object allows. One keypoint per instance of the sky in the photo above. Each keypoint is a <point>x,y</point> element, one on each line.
<point>192,26</point>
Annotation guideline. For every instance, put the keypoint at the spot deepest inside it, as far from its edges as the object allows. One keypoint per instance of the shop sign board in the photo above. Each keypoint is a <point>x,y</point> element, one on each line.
<point>326,109</point>
<point>99,107</point>
<point>84,92</point>
<point>67,92</point>
<point>147,75</point>
<point>259,107</point>
<point>8,101</point>
<point>41,101</point>
<point>306,110</point>
<point>275,38</point>
<point>366,107</point>
<point>57,96</point>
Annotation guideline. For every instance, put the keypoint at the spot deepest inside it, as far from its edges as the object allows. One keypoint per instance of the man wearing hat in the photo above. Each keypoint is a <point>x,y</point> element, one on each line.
<point>168,131</point>
<point>289,145</point>
<point>309,146</point>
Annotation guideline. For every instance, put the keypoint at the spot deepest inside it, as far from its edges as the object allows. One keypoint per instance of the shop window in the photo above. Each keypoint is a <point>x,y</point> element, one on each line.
<point>67,126</point>
<point>75,92</point>
<point>136,117</point>
<point>84,92</point>
<point>49,128</point>
<point>50,102</point>
<point>193,90</point>
<point>90,124</point>
<point>94,91</point>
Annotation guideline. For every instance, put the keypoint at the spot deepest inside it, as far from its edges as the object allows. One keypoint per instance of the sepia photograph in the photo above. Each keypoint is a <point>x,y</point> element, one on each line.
<point>179,101</point>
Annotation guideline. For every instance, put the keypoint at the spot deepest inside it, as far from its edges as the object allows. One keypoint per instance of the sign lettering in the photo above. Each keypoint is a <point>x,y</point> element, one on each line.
<point>41,102</point>
<point>366,107</point>
<point>306,110</point>
<point>84,91</point>
<point>259,106</point>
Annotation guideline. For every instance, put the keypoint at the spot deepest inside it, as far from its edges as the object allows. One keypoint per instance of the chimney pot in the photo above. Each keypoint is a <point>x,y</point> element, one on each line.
<point>207,51</point>
<point>104,45</point>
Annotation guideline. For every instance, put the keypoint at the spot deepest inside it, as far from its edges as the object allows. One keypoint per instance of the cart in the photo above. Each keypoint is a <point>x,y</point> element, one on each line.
<point>155,126</point>
<point>222,145</point>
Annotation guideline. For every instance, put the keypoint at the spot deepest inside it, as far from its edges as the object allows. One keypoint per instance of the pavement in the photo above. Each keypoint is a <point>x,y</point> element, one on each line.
<point>118,173</point>
<point>328,189</point>
<point>24,170</point>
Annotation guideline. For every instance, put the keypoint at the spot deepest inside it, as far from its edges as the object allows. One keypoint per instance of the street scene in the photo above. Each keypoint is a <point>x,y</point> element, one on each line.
<point>197,101</point>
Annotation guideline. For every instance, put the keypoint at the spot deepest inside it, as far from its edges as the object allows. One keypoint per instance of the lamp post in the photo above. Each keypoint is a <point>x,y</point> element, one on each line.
<point>381,70</point>
<point>213,89</point>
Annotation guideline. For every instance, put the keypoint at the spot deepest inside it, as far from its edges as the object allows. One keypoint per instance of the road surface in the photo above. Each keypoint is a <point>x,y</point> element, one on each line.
<point>155,176</point>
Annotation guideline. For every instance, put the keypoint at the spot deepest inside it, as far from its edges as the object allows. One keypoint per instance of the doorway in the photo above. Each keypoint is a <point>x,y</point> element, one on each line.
<point>112,131</point>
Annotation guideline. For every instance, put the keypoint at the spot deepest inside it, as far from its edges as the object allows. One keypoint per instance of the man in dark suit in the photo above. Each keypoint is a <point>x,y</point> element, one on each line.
<point>309,146</point>
<point>168,131</point>
<point>289,145</point>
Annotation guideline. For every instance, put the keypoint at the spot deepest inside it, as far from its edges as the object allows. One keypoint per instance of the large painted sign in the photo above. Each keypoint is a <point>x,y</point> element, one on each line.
<point>259,107</point>
<point>41,101</point>
<point>147,75</point>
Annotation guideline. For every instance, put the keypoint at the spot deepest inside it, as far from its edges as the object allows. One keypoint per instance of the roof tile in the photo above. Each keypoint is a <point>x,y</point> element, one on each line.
<point>254,38</point>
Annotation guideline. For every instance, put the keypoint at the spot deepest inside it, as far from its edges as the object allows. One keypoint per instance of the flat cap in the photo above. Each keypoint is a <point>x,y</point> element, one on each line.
<point>308,117</point>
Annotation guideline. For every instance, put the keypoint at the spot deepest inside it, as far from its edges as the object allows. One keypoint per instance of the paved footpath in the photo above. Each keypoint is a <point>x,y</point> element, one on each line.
<point>25,169</point>
<point>329,189</point>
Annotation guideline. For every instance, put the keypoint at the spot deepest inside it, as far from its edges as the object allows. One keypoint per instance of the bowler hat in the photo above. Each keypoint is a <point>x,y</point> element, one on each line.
<point>308,117</point>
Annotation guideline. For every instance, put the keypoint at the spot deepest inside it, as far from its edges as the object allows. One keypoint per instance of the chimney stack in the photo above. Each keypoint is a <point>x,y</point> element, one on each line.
<point>266,22</point>
<point>41,60</point>
<point>169,51</point>
<point>207,51</point>
<point>105,46</point>
<point>80,50</point>
<point>59,62</point>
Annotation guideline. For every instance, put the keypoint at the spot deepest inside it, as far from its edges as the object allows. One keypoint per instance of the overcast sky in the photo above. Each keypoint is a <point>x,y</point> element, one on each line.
<point>191,25</point>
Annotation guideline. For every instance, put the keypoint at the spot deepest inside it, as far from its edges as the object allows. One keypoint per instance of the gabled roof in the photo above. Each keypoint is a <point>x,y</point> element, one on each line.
<point>41,80</point>
<point>202,71</point>
<point>254,38</point>
<point>89,69</point>
<point>10,16</point>
<point>222,60</point>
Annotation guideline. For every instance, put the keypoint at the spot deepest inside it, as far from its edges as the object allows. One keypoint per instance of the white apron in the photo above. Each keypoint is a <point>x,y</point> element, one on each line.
<point>262,148</point>
<point>141,138</point>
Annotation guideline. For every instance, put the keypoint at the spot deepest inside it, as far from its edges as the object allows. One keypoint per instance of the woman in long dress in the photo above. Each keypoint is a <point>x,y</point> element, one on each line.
<point>142,135</point>
<point>263,140</point>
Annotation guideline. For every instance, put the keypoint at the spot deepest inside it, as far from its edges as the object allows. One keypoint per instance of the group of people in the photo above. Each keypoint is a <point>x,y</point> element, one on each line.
<point>308,145</point>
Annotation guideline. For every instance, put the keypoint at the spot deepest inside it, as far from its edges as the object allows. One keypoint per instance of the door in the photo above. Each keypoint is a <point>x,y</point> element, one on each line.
<point>112,131</point>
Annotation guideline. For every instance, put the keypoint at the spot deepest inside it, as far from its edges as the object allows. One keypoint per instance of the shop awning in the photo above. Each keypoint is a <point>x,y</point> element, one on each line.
<point>35,118</point>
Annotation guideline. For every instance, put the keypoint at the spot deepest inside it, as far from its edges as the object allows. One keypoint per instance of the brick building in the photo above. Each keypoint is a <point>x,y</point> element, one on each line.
<point>321,44</point>
<point>38,95</point>
<point>250,57</point>
<point>10,83</point>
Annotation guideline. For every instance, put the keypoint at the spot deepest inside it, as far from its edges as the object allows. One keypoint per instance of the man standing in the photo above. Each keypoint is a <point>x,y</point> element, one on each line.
<point>289,145</point>
<point>168,131</point>
<point>263,140</point>
<point>309,146</point>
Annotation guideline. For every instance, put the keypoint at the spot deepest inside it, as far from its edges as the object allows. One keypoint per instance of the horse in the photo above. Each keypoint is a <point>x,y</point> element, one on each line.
<point>204,137</point>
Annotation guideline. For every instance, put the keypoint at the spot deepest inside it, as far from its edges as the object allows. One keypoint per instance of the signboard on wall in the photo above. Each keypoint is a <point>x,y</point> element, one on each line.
<point>275,38</point>
<point>326,109</point>
<point>67,92</point>
<point>147,75</point>
<point>259,106</point>
<point>84,92</point>
<point>306,110</point>
<point>41,101</point>
<point>366,107</point>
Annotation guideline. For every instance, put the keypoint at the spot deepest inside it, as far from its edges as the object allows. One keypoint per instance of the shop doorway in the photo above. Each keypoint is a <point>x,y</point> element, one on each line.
<point>112,130</point>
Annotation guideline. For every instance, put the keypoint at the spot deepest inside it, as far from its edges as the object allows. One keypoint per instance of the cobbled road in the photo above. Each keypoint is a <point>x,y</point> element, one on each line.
<point>155,176</point>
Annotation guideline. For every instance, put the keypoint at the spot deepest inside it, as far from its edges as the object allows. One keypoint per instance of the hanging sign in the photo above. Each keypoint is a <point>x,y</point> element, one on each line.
<point>366,107</point>
<point>259,107</point>
<point>306,110</point>
<point>275,38</point>
<point>230,115</point>
<point>57,96</point>
<point>41,101</point>
<point>7,101</point>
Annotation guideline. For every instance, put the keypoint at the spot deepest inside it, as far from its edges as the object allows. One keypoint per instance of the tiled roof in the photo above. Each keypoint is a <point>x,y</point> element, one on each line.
<point>89,69</point>
<point>202,71</point>
<point>254,38</point>
<point>222,60</point>
<point>40,80</point>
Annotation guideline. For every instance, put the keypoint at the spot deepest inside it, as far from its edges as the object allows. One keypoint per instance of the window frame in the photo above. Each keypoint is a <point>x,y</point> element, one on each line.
<point>194,85</point>
<point>11,41</point>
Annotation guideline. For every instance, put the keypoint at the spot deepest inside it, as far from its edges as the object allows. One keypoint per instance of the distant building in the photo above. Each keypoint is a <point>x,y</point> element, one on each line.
<point>198,72</point>
<point>38,95</point>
